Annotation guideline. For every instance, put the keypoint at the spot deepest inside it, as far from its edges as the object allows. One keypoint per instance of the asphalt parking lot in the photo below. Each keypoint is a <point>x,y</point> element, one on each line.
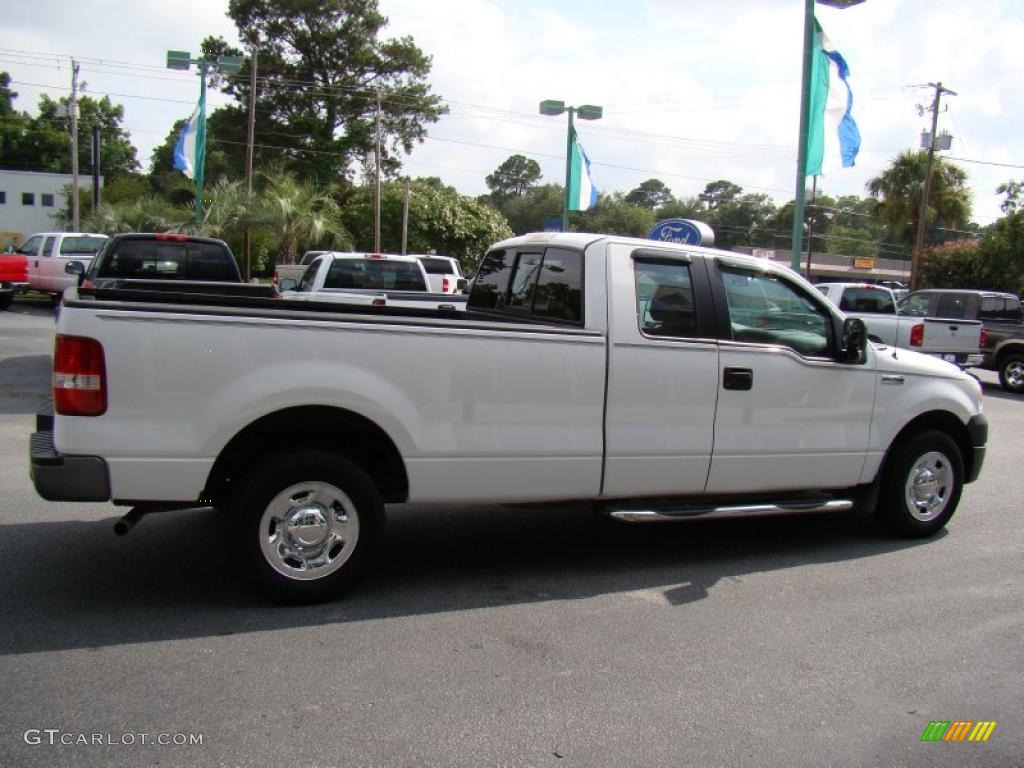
<point>489,636</point>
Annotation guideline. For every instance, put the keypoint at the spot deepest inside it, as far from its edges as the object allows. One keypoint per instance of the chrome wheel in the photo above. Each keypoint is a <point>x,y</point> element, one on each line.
<point>929,486</point>
<point>1013,375</point>
<point>309,530</point>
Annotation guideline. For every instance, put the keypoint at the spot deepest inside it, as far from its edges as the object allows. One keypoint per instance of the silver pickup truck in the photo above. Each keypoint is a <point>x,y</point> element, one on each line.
<point>907,324</point>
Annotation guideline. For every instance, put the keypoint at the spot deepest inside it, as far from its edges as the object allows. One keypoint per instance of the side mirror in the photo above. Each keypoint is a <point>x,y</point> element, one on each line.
<point>74,268</point>
<point>288,284</point>
<point>854,340</point>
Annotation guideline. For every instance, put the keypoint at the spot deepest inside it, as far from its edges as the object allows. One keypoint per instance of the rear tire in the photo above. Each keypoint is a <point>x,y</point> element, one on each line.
<point>306,523</point>
<point>921,485</point>
<point>1011,373</point>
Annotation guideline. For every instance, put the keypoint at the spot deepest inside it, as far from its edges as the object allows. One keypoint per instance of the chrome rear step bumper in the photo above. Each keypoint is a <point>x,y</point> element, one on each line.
<point>697,512</point>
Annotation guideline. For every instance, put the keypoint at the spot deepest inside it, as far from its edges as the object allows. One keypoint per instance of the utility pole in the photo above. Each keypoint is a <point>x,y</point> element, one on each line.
<point>73,108</point>
<point>405,219</point>
<point>376,194</point>
<point>248,163</point>
<point>915,262</point>
<point>96,165</point>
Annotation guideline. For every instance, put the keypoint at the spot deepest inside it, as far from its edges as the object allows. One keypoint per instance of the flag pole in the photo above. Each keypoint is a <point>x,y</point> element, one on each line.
<point>568,170</point>
<point>201,143</point>
<point>801,161</point>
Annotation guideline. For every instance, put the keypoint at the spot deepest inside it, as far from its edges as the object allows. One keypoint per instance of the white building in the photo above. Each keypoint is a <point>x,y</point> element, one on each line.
<point>29,202</point>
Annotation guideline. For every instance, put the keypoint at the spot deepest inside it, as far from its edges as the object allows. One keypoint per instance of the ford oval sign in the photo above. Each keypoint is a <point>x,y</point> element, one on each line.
<point>683,231</point>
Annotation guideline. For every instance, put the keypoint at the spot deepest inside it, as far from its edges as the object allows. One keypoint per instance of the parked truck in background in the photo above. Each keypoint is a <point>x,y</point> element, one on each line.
<point>999,314</point>
<point>49,255</point>
<point>655,381</point>
<point>889,323</point>
<point>369,278</point>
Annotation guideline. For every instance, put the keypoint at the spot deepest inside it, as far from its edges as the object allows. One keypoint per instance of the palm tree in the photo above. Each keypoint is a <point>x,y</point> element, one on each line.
<point>299,213</point>
<point>147,214</point>
<point>899,188</point>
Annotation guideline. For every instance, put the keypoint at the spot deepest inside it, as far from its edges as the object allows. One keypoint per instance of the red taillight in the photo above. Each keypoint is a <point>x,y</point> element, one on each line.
<point>172,236</point>
<point>86,283</point>
<point>379,303</point>
<point>984,338</point>
<point>917,335</point>
<point>444,285</point>
<point>374,256</point>
<point>277,277</point>
<point>79,377</point>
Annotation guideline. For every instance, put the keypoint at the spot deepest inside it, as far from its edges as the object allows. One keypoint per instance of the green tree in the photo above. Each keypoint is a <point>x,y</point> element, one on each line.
<point>321,67</point>
<point>1014,191</point>
<point>719,192</point>
<point>440,220</point>
<point>899,188</point>
<point>301,215</point>
<point>614,215</point>
<point>650,194</point>
<point>513,178</point>
<point>527,213</point>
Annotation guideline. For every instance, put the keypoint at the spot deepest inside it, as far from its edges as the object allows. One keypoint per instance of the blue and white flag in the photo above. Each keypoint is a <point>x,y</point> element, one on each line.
<point>833,139</point>
<point>581,194</point>
<point>190,151</point>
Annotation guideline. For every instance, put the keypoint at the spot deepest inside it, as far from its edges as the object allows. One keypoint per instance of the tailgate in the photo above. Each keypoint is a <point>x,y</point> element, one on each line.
<point>951,336</point>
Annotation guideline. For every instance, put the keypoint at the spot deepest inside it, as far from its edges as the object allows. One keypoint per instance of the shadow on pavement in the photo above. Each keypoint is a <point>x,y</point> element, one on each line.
<point>996,391</point>
<point>75,585</point>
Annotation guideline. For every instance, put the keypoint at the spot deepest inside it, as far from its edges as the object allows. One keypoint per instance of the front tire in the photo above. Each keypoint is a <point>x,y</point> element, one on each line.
<point>1011,373</point>
<point>307,522</point>
<point>921,485</point>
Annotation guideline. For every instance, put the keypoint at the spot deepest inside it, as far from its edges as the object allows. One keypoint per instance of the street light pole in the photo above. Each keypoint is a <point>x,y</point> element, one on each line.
<point>228,65</point>
<point>915,258</point>
<point>585,112</point>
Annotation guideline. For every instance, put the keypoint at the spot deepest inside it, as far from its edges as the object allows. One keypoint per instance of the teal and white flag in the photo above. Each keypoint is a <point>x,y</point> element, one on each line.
<point>190,151</point>
<point>581,194</point>
<point>833,139</point>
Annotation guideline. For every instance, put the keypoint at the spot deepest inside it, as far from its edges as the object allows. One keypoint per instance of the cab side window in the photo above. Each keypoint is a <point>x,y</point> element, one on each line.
<point>309,276</point>
<point>765,309</point>
<point>867,300</point>
<point>547,284</point>
<point>48,246</point>
<point>915,305</point>
<point>664,299</point>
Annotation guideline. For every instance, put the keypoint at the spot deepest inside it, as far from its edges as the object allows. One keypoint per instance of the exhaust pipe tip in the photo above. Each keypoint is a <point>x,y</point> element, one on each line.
<point>126,523</point>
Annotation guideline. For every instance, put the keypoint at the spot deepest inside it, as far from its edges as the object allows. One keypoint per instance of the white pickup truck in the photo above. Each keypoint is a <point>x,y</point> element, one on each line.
<point>375,279</point>
<point>906,326</point>
<point>652,380</point>
<point>50,253</point>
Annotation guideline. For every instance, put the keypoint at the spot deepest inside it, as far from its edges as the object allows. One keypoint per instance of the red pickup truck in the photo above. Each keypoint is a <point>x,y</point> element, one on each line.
<point>13,277</point>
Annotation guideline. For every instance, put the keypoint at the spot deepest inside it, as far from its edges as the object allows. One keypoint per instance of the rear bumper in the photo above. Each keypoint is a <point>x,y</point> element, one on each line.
<point>58,477</point>
<point>977,428</point>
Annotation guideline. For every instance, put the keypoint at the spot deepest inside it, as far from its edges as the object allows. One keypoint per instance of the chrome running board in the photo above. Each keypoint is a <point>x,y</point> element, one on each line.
<point>742,510</point>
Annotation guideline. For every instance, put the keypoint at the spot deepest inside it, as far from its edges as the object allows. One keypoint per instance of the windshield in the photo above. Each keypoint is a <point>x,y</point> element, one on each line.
<point>82,244</point>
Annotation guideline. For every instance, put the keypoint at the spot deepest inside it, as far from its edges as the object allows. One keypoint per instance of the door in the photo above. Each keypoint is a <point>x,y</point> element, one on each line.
<point>48,264</point>
<point>790,416</point>
<point>662,373</point>
<point>30,248</point>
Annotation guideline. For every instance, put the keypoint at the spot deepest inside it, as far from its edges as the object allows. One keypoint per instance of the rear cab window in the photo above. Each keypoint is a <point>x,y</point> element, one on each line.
<point>152,259</point>
<point>543,282</point>
<point>375,274</point>
<point>868,299</point>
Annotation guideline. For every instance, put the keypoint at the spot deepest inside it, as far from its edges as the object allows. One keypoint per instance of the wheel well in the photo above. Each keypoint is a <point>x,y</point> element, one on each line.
<point>334,429</point>
<point>943,421</point>
<point>1013,348</point>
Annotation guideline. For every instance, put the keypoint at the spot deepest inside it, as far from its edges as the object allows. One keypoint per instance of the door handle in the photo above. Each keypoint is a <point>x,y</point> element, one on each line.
<point>737,378</point>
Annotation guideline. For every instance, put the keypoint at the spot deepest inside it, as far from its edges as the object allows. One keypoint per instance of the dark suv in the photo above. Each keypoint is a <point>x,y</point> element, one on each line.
<point>1002,331</point>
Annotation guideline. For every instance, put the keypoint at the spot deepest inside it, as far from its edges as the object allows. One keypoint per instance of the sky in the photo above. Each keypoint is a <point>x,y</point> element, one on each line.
<point>692,90</point>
